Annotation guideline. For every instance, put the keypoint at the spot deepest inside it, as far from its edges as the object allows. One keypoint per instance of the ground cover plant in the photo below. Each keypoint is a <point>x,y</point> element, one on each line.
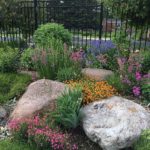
<point>93,90</point>
<point>12,85</point>
<point>10,144</point>
<point>36,133</point>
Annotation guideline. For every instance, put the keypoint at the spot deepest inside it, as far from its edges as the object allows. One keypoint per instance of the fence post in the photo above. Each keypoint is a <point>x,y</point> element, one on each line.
<point>35,14</point>
<point>101,21</point>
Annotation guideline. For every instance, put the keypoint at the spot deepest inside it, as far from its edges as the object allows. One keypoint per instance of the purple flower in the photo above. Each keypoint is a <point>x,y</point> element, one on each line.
<point>136,91</point>
<point>126,80</point>
<point>138,76</point>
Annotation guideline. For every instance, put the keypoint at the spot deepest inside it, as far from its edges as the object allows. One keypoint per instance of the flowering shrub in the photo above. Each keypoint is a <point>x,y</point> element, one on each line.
<point>78,56</point>
<point>132,80</point>
<point>93,90</point>
<point>48,61</point>
<point>36,132</point>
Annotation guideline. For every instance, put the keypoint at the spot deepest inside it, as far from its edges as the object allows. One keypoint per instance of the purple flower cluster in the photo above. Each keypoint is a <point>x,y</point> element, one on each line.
<point>100,46</point>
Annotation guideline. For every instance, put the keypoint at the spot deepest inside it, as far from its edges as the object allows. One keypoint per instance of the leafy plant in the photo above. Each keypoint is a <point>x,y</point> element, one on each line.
<point>9,144</point>
<point>145,62</point>
<point>48,61</point>
<point>116,81</point>
<point>12,85</point>
<point>71,73</point>
<point>92,61</point>
<point>45,32</point>
<point>146,90</point>
<point>143,142</point>
<point>26,59</point>
<point>67,109</point>
<point>9,59</point>
<point>111,63</point>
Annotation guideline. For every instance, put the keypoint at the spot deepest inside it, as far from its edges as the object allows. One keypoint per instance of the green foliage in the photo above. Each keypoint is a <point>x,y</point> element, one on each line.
<point>111,60</point>
<point>68,106</point>
<point>9,59</point>
<point>48,61</point>
<point>92,62</point>
<point>116,82</point>
<point>122,42</point>
<point>143,142</point>
<point>135,10</point>
<point>26,59</point>
<point>74,13</point>
<point>9,144</point>
<point>146,90</point>
<point>12,85</point>
<point>145,62</point>
<point>71,73</point>
<point>45,32</point>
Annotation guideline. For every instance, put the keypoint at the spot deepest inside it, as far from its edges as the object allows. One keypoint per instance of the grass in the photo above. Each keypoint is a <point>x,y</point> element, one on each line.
<point>13,145</point>
<point>12,85</point>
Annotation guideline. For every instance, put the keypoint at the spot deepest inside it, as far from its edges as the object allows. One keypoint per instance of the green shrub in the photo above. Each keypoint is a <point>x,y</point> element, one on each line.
<point>67,109</point>
<point>9,144</point>
<point>70,73</point>
<point>143,142</point>
<point>26,59</point>
<point>48,61</point>
<point>12,85</point>
<point>116,82</point>
<point>45,32</point>
<point>9,59</point>
<point>145,62</point>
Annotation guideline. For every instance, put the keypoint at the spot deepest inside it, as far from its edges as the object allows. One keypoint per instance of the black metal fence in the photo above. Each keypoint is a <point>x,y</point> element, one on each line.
<point>87,23</point>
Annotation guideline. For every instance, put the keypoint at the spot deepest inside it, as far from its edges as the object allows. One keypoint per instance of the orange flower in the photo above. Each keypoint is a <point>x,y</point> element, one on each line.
<point>93,90</point>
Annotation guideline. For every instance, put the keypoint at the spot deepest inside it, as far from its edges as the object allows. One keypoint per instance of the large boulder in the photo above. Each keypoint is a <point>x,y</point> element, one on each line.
<point>114,123</point>
<point>96,74</point>
<point>39,94</point>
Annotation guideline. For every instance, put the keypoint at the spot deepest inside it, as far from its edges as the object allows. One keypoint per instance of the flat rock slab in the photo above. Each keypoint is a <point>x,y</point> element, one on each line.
<point>39,94</point>
<point>96,74</point>
<point>114,123</point>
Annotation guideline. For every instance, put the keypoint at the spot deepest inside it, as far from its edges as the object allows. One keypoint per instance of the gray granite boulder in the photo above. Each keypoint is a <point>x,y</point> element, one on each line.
<point>39,94</point>
<point>114,123</point>
<point>96,74</point>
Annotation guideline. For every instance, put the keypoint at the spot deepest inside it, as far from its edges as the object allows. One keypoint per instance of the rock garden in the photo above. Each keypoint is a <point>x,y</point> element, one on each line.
<point>57,97</point>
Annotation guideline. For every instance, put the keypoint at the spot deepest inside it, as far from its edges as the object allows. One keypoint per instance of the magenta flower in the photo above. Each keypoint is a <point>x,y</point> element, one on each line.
<point>136,91</point>
<point>138,76</point>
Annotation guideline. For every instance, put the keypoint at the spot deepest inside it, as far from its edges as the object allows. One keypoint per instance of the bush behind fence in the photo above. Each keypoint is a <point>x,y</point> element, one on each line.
<point>87,22</point>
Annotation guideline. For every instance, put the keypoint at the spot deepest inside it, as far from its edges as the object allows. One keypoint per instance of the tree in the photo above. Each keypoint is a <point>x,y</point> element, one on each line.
<point>74,13</point>
<point>137,11</point>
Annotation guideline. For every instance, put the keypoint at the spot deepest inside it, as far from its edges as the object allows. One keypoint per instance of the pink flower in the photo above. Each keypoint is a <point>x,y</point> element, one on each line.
<point>136,91</point>
<point>138,76</point>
